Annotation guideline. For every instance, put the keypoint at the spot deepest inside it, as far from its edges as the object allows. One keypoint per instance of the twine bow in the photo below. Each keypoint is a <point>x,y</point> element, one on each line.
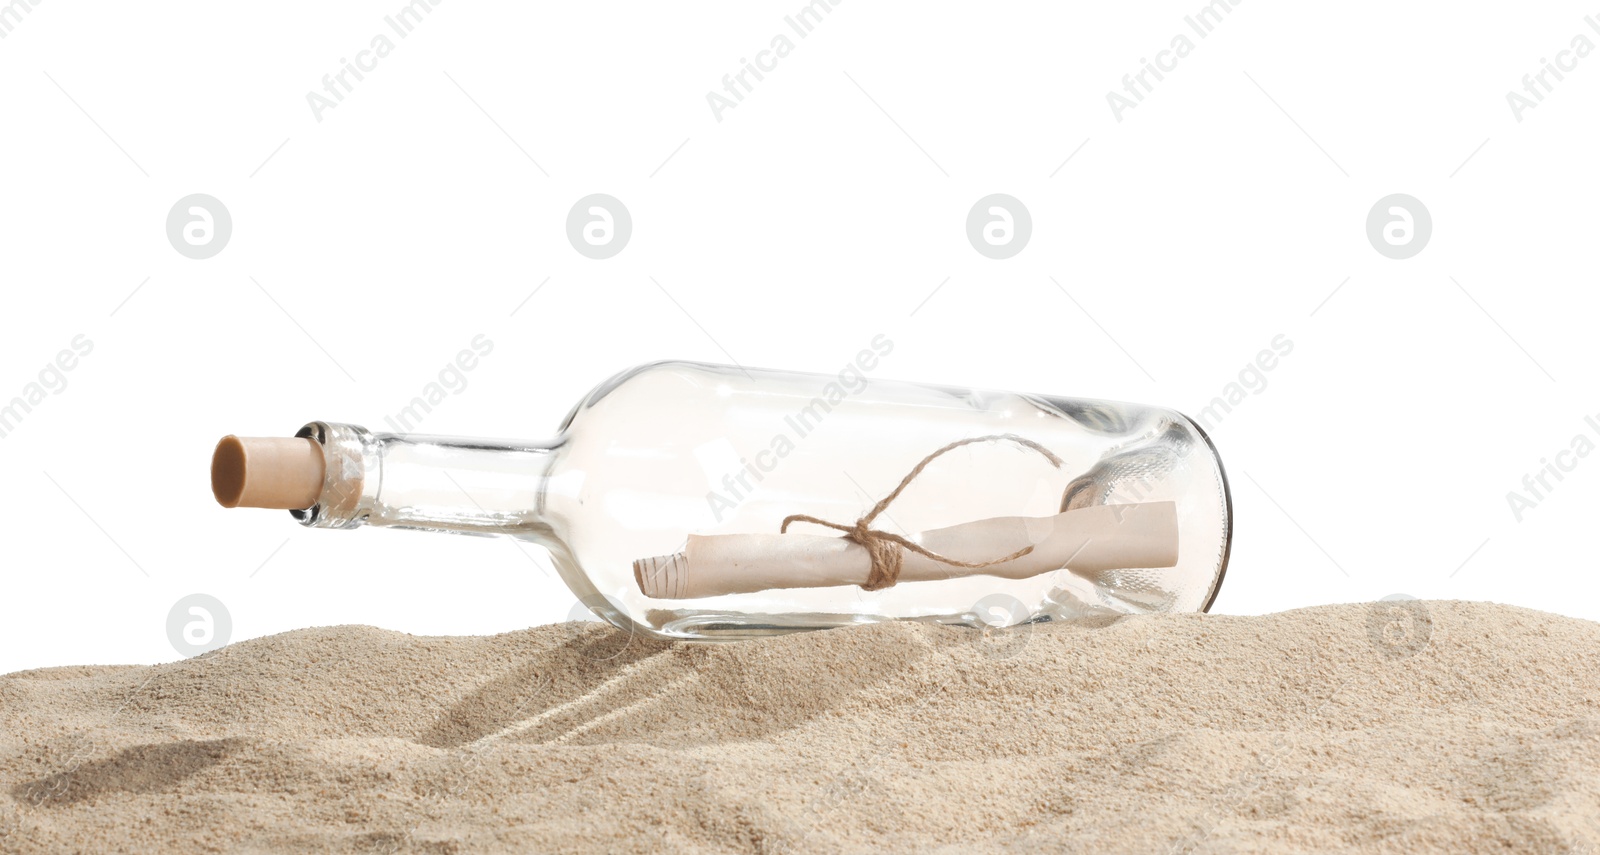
<point>887,549</point>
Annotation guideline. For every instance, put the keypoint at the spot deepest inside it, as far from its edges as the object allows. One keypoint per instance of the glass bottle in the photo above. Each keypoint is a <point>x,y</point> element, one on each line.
<point>674,469</point>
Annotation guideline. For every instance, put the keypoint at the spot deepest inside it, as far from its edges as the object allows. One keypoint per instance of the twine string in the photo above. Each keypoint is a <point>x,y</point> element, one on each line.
<point>887,549</point>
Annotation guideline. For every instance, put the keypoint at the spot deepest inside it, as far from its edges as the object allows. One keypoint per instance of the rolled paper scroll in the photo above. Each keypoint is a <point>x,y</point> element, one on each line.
<point>1085,541</point>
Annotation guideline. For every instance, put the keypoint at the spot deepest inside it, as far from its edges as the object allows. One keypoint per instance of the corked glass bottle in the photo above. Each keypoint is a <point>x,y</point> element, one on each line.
<point>702,501</point>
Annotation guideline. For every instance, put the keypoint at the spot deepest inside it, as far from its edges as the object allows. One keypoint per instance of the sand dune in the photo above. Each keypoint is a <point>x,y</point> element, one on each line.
<point>1437,726</point>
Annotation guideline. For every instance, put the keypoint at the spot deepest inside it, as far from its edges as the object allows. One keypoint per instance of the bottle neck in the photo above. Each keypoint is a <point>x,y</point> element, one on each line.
<point>436,483</point>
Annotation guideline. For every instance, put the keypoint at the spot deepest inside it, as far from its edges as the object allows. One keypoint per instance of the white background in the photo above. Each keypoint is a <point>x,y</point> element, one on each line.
<point>826,208</point>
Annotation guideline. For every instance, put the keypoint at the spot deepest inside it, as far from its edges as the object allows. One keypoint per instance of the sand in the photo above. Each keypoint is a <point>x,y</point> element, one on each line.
<point>1414,727</point>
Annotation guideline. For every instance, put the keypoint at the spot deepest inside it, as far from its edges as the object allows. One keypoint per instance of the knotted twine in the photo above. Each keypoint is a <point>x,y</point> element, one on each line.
<point>887,549</point>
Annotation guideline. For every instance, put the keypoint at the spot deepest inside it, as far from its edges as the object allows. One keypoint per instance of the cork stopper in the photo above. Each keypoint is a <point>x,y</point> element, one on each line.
<point>267,472</point>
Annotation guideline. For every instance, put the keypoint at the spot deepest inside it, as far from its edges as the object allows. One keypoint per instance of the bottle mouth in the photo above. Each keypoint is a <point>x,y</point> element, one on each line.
<point>351,472</point>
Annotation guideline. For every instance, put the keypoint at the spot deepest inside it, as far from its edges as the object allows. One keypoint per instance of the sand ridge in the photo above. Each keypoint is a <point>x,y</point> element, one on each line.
<point>1415,726</point>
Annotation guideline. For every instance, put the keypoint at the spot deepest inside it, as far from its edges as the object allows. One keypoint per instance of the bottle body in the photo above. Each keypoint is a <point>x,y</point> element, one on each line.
<point>672,464</point>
